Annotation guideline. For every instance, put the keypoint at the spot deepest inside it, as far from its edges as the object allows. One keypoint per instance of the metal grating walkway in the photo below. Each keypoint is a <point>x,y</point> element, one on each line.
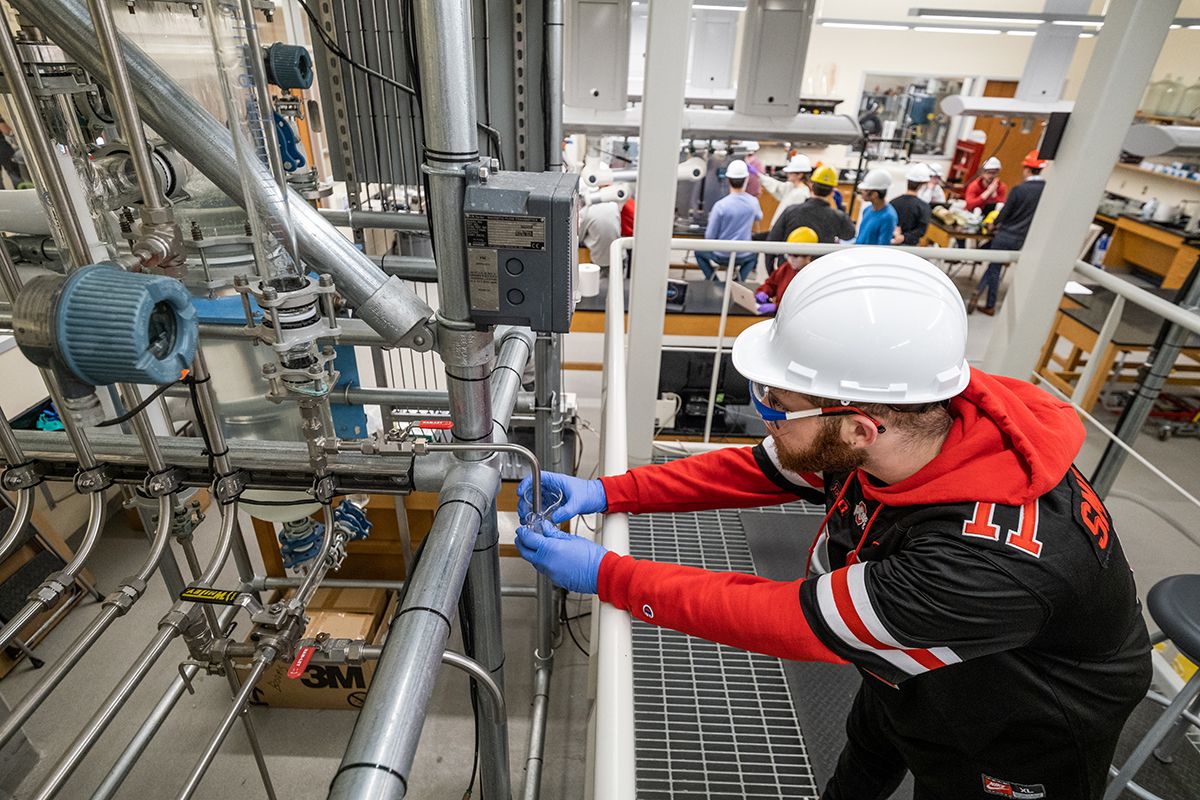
<point>711,721</point>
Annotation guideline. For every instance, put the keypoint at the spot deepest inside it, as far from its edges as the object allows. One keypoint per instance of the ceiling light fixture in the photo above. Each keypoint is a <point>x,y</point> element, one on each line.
<point>954,29</point>
<point>878,26</point>
<point>1021,33</point>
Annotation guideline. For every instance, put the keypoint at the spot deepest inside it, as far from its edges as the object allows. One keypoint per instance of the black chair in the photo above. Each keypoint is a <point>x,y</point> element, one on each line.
<point>1174,605</point>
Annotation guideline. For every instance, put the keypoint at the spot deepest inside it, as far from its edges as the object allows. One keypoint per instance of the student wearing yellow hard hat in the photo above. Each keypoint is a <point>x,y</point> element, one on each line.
<point>770,293</point>
<point>817,213</point>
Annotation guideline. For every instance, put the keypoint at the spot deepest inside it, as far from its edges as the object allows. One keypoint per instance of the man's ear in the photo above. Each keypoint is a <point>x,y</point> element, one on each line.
<point>863,432</point>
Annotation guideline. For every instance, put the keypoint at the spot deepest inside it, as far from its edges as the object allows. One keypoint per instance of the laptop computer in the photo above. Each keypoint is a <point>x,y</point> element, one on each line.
<point>743,295</point>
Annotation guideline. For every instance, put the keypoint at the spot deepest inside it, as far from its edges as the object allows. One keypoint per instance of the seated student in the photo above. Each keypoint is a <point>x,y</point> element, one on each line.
<point>770,293</point>
<point>731,218</point>
<point>987,191</point>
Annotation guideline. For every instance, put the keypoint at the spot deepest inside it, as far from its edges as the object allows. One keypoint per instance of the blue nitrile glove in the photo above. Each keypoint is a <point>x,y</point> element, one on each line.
<point>767,308</point>
<point>571,562</point>
<point>579,496</point>
<point>762,297</point>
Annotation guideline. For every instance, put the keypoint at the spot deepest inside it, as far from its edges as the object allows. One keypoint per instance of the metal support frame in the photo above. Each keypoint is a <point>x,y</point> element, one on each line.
<point>662,123</point>
<point>1124,56</point>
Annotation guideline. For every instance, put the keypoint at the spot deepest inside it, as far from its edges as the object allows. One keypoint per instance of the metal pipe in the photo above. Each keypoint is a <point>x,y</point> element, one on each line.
<point>51,590</point>
<point>123,104</point>
<point>483,639</point>
<point>430,399</point>
<point>537,733</point>
<point>478,673</point>
<point>395,312</point>
<point>553,76</point>
<point>384,220</point>
<point>20,518</point>
<point>236,709</point>
<point>36,144</point>
<point>380,752</point>
<point>263,583</point>
<point>115,606</point>
<point>162,709</point>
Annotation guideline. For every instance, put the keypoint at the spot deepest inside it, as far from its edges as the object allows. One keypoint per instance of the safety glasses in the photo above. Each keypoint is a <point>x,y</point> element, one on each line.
<point>761,399</point>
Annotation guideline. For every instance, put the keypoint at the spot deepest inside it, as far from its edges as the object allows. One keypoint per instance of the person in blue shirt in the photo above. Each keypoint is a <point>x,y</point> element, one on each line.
<point>731,217</point>
<point>879,221</point>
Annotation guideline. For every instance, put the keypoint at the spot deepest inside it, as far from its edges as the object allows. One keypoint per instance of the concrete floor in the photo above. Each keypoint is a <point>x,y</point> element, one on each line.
<point>303,748</point>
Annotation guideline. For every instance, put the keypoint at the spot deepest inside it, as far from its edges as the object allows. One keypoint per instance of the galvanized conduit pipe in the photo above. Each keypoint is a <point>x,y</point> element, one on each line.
<point>380,753</point>
<point>395,312</point>
<point>383,220</point>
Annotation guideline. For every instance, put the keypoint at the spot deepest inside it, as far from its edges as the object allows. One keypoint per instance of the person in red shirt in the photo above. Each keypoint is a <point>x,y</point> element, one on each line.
<point>986,191</point>
<point>770,292</point>
<point>964,566</point>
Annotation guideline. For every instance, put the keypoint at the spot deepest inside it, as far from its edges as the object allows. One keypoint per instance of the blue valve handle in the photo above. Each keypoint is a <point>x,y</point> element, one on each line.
<point>289,144</point>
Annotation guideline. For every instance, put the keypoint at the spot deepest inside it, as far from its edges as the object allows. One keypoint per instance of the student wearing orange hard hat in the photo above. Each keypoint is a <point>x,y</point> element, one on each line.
<point>1012,225</point>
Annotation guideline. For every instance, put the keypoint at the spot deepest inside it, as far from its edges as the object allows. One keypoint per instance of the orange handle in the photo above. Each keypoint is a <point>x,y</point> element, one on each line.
<point>301,663</point>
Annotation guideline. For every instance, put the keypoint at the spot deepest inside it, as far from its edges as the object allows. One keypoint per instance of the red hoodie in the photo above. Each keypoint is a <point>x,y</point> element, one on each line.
<point>985,599</point>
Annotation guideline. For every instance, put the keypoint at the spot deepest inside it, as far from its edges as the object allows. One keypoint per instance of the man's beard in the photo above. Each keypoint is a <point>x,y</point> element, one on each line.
<point>827,453</point>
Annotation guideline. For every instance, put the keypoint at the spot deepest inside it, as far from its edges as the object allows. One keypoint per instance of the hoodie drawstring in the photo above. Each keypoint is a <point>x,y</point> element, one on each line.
<point>821,530</point>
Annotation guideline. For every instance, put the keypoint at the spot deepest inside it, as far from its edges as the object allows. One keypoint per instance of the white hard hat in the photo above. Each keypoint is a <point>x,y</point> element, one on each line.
<point>737,169</point>
<point>877,179</point>
<point>799,163</point>
<point>991,163</point>
<point>750,146</point>
<point>934,168</point>
<point>864,324</point>
<point>917,173</point>
<point>979,137</point>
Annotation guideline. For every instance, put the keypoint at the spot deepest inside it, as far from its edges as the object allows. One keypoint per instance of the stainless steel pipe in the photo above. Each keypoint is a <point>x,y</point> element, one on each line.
<point>395,312</point>
<point>123,104</point>
<point>384,220</point>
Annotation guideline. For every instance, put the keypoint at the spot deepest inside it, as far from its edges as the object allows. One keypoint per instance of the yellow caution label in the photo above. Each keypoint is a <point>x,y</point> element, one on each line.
<point>224,597</point>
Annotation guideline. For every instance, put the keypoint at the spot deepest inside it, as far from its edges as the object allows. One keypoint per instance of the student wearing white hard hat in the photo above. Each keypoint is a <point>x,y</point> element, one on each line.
<point>793,190</point>
<point>912,213</point>
<point>994,625</point>
<point>877,225</point>
<point>732,217</point>
<point>987,190</point>
<point>932,192</point>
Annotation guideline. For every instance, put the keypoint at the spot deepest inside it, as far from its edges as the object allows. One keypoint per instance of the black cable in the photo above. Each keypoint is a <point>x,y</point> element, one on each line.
<point>140,407</point>
<point>566,623</point>
<point>333,47</point>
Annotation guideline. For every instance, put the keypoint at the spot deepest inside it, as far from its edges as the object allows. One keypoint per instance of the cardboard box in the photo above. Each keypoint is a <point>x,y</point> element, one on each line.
<point>335,686</point>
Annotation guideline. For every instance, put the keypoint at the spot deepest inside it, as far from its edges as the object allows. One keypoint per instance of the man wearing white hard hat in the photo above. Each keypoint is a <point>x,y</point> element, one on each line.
<point>912,213</point>
<point>932,192</point>
<point>877,225</point>
<point>964,566</point>
<point>732,217</point>
<point>987,190</point>
<point>793,190</point>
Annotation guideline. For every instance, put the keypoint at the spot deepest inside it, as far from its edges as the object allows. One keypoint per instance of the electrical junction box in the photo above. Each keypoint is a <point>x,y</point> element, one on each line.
<point>522,249</point>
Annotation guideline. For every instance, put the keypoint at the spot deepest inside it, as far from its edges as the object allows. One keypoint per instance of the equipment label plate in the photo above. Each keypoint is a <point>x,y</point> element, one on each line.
<point>483,275</point>
<point>499,231</point>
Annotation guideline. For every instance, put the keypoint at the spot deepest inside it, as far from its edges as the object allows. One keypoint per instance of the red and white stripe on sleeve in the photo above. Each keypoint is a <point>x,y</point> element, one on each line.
<point>848,613</point>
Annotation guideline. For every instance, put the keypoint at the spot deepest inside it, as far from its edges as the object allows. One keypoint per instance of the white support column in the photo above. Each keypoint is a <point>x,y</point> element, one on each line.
<point>1126,49</point>
<point>658,158</point>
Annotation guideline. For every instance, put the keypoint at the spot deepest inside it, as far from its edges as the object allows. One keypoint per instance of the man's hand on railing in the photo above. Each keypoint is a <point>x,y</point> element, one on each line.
<point>571,562</point>
<point>579,496</point>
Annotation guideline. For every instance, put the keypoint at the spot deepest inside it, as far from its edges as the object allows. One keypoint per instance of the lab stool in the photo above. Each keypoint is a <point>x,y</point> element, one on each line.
<point>1174,605</point>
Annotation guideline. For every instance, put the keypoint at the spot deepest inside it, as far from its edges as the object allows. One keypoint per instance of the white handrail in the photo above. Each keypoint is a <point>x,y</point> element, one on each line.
<point>1138,296</point>
<point>783,248</point>
<point>613,767</point>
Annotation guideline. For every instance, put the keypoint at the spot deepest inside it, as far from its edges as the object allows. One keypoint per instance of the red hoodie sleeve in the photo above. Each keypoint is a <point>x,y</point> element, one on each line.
<point>733,477</point>
<point>771,285</point>
<point>974,190</point>
<point>743,611</point>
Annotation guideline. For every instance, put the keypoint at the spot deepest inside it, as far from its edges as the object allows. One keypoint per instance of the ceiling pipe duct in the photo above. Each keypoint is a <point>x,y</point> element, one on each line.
<point>395,312</point>
<point>710,123</point>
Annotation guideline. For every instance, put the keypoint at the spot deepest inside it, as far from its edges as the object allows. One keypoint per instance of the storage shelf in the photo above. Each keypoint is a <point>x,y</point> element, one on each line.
<point>1176,178</point>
